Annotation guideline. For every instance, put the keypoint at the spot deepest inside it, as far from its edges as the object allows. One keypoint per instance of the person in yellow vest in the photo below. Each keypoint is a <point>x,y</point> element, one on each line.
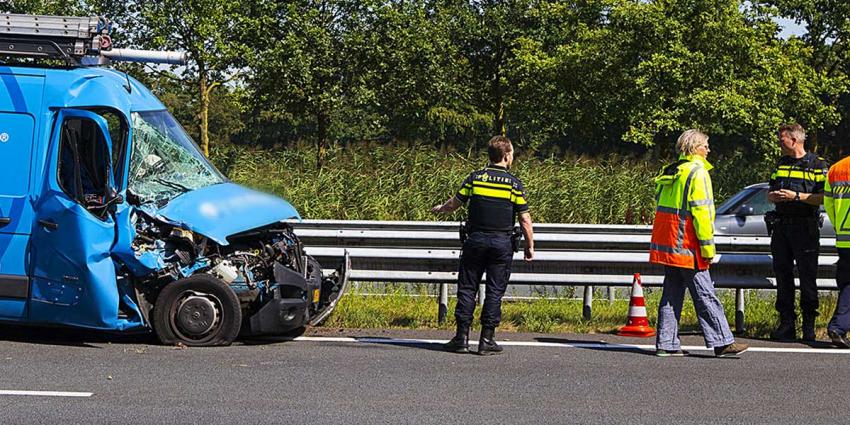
<point>836,201</point>
<point>683,242</point>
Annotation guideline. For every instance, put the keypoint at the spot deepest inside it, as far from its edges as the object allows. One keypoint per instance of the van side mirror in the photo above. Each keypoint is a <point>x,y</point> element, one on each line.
<point>113,199</point>
<point>744,210</point>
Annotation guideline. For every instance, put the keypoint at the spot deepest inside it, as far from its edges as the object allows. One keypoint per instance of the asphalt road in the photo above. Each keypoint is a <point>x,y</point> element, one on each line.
<point>376,380</point>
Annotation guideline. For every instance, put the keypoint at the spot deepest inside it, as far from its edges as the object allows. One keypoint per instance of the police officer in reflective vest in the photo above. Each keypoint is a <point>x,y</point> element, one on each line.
<point>837,203</point>
<point>496,198</point>
<point>683,242</point>
<point>796,187</point>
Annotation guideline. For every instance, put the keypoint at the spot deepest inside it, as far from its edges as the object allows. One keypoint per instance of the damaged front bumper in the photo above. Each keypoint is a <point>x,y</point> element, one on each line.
<point>299,301</point>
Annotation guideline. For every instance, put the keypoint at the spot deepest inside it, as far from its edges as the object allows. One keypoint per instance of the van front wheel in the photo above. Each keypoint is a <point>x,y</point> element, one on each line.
<point>198,311</point>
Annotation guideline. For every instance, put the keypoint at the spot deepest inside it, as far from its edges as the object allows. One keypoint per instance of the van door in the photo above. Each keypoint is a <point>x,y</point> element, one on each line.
<point>20,99</point>
<point>73,274</point>
<point>16,142</point>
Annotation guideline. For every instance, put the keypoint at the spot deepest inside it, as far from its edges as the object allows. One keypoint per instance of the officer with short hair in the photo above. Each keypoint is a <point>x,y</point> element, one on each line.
<point>796,187</point>
<point>496,198</point>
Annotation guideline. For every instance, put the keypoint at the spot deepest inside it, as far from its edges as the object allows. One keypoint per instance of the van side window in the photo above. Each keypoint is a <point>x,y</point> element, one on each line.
<point>118,129</point>
<point>84,164</point>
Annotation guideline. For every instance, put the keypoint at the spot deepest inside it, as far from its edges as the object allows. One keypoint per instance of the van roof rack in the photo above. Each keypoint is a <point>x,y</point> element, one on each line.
<point>79,41</point>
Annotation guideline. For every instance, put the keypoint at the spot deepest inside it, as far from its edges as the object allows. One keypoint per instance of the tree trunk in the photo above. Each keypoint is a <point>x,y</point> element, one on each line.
<point>813,142</point>
<point>322,124</point>
<point>204,110</point>
<point>498,93</point>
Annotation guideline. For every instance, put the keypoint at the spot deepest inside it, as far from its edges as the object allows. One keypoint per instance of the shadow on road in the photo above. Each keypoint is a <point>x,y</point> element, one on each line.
<point>596,346</point>
<point>620,348</point>
<point>429,346</point>
<point>69,337</point>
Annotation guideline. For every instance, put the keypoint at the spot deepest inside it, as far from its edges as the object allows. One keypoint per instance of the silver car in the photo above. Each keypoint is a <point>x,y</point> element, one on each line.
<point>743,214</point>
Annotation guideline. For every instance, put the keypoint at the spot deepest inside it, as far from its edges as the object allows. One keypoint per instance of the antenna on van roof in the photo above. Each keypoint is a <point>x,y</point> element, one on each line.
<point>76,40</point>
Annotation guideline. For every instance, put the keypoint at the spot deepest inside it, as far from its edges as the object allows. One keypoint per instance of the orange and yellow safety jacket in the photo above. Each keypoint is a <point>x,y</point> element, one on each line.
<point>836,201</point>
<point>683,229</point>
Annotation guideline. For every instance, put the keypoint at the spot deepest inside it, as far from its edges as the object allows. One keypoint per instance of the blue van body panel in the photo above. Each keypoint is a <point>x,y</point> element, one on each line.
<point>86,87</point>
<point>226,209</point>
<point>14,284</point>
<point>79,273</point>
<point>21,95</point>
<point>20,101</point>
<point>73,275</point>
<point>140,264</point>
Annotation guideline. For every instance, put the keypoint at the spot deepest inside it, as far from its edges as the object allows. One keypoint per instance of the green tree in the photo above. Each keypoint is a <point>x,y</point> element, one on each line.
<point>210,32</point>
<point>643,71</point>
<point>44,7</point>
<point>826,41</point>
<point>419,83</point>
<point>306,67</point>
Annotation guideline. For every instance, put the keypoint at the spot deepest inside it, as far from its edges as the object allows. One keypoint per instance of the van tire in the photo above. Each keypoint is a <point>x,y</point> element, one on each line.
<point>210,309</point>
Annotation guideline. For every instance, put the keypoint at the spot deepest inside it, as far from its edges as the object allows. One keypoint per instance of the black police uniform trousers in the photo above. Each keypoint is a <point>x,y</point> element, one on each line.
<point>490,252</point>
<point>796,241</point>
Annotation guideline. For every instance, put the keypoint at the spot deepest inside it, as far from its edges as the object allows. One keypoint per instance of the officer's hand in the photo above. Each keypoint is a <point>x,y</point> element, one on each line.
<point>529,254</point>
<point>773,196</point>
<point>709,260</point>
<point>436,209</point>
<point>783,195</point>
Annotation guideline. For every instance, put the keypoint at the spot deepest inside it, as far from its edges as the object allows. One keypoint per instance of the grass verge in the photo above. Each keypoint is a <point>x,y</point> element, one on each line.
<point>397,309</point>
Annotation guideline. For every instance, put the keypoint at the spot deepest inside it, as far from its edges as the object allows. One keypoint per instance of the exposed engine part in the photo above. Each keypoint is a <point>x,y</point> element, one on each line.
<point>182,243</point>
<point>225,271</point>
<point>262,266</point>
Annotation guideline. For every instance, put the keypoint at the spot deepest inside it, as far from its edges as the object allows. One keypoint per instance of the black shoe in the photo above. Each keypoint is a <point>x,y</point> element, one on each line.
<point>809,329</point>
<point>460,343</point>
<point>784,332</point>
<point>839,340</point>
<point>487,345</point>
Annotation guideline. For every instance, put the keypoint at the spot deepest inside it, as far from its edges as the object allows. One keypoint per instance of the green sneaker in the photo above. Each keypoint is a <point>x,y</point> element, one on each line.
<point>671,353</point>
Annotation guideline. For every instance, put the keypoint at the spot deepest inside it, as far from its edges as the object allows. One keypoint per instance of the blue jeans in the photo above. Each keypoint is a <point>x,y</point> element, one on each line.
<point>840,322</point>
<point>712,320</point>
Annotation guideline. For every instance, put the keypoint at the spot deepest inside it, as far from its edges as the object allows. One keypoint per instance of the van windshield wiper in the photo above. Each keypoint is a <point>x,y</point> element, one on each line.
<point>172,184</point>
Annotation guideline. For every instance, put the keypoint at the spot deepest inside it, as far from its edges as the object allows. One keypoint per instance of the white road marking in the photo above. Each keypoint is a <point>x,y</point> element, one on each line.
<point>46,393</point>
<point>590,345</point>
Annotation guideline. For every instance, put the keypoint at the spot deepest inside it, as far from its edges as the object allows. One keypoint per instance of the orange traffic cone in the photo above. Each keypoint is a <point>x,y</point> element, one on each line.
<point>637,325</point>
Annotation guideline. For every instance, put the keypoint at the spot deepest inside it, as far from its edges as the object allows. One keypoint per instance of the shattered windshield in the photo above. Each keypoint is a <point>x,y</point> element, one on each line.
<point>165,162</point>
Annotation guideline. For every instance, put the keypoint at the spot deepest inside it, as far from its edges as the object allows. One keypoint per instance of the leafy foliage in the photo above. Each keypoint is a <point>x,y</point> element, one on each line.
<point>558,76</point>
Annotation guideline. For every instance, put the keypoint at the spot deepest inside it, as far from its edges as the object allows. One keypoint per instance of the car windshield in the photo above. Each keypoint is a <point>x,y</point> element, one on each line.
<point>165,162</point>
<point>728,206</point>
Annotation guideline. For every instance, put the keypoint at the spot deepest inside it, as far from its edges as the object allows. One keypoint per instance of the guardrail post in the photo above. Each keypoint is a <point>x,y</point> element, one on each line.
<point>481,289</point>
<point>588,302</point>
<point>739,310</point>
<point>612,294</point>
<point>444,303</point>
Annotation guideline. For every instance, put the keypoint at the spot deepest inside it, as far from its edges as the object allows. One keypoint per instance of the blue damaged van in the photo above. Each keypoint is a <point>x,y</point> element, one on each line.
<point>112,219</point>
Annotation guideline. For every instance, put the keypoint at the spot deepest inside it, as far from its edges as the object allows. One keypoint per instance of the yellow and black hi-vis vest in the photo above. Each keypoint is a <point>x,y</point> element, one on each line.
<point>805,175</point>
<point>495,198</point>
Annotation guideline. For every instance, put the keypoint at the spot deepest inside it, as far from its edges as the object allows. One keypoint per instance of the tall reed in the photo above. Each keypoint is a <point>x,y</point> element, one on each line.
<point>402,183</point>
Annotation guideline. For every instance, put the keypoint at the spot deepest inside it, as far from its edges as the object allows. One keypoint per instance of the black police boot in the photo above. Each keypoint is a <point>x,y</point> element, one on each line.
<point>784,332</point>
<point>487,345</point>
<point>460,343</point>
<point>809,328</point>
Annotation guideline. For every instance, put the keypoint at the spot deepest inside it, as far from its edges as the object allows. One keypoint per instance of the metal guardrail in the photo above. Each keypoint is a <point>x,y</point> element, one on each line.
<point>565,254</point>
